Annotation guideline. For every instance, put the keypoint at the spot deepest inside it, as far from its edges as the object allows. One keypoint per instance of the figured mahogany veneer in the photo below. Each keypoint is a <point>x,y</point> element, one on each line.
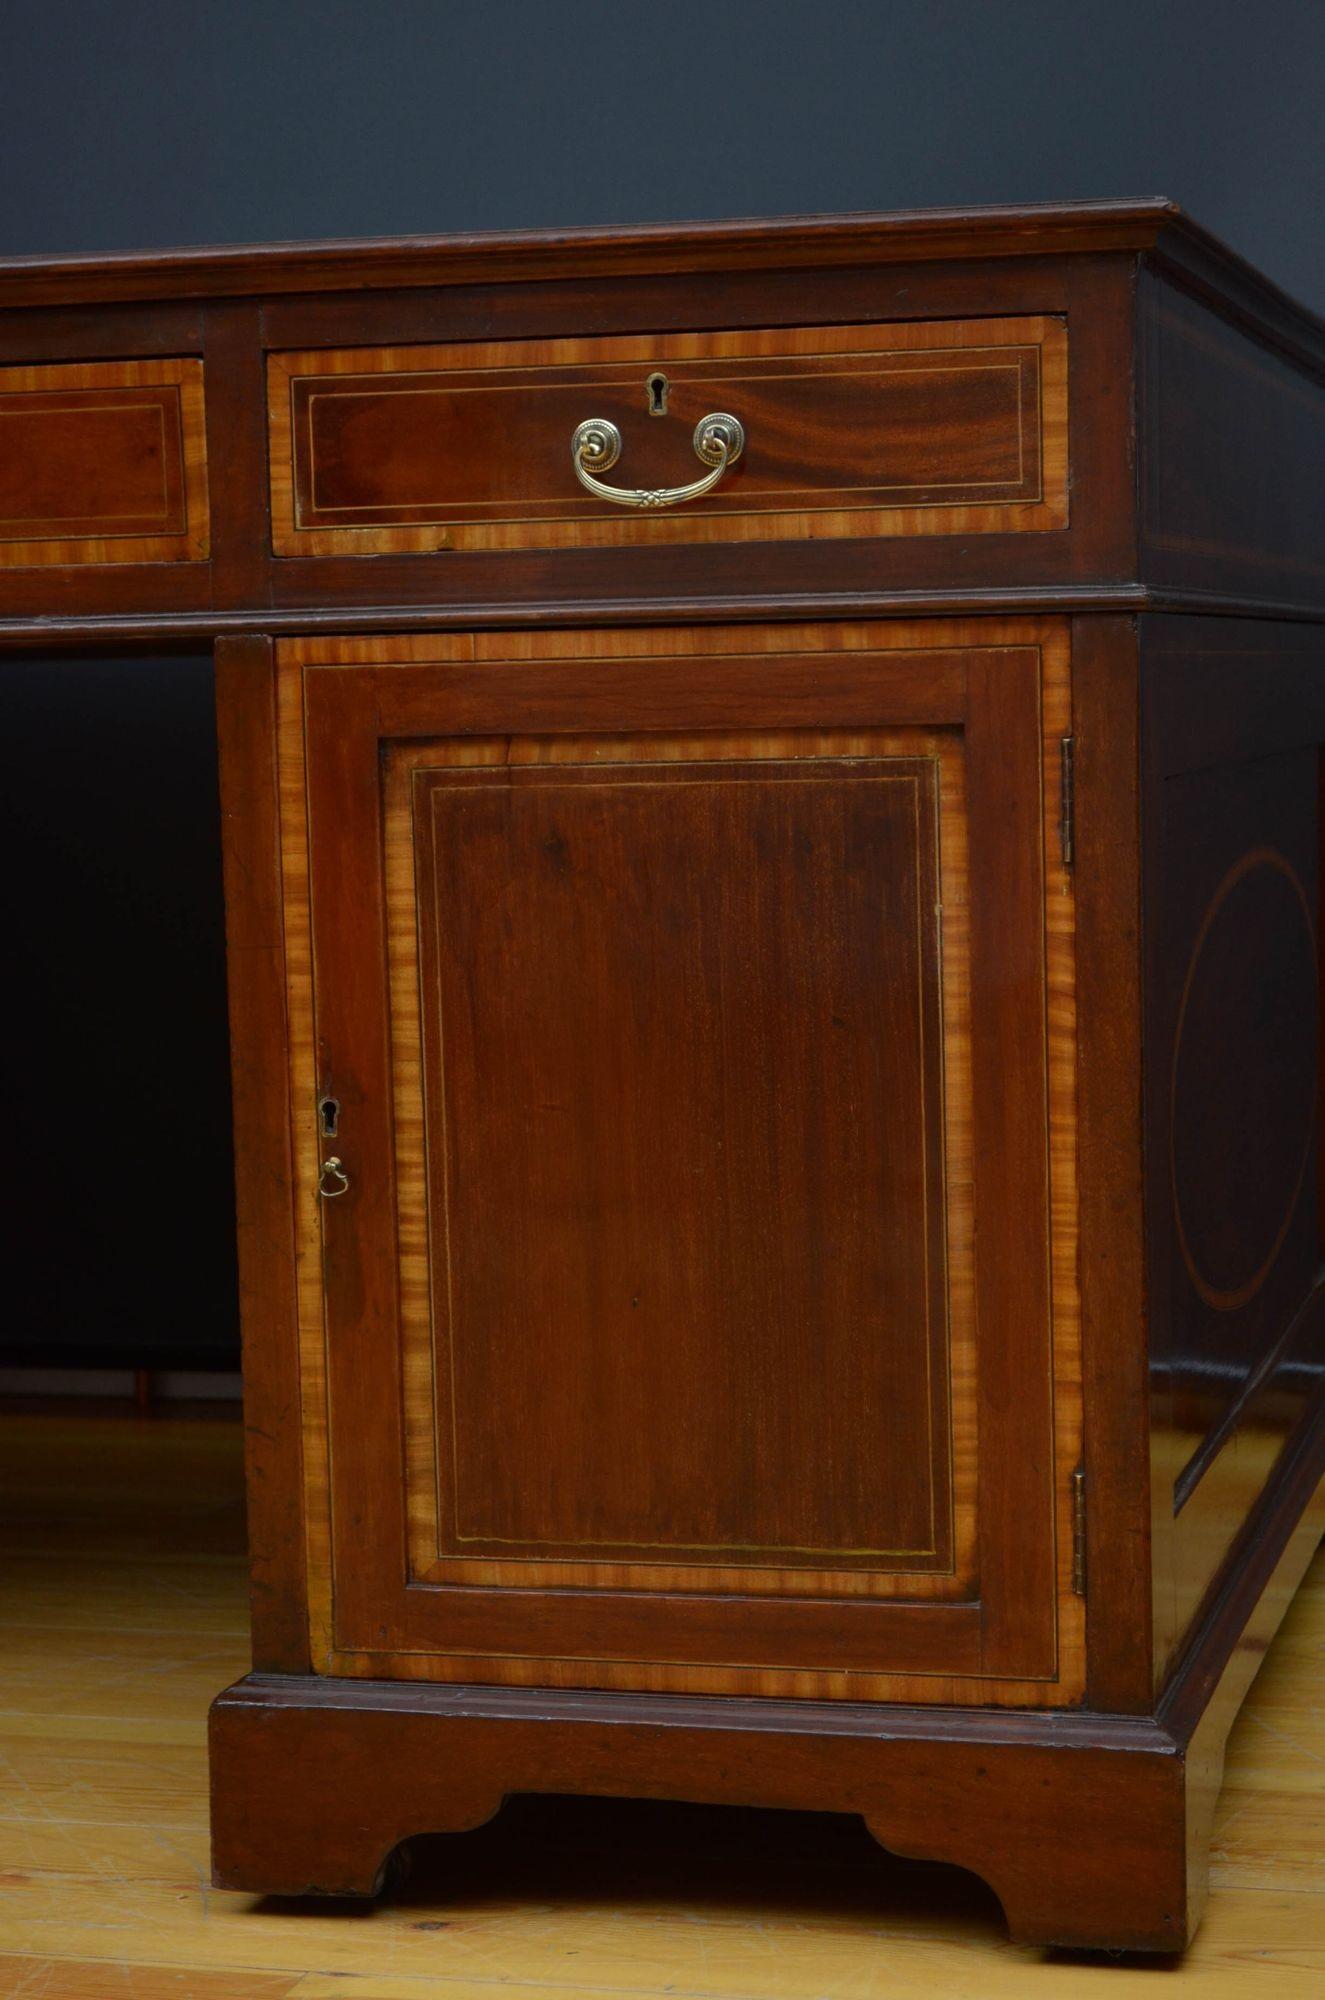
<point>777,1042</point>
<point>944,427</point>
<point>696,1118</point>
<point>102,462</point>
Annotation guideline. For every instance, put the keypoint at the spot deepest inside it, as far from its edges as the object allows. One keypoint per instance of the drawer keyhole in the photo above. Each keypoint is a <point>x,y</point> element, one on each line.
<point>328,1112</point>
<point>659,388</point>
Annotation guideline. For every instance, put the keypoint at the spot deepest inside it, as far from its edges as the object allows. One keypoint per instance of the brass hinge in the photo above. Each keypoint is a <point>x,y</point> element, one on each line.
<point>1079,1531</point>
<point>1067,822</point>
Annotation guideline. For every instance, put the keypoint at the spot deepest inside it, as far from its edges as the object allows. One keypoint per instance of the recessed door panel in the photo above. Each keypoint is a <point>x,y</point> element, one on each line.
<point>682,1035</point>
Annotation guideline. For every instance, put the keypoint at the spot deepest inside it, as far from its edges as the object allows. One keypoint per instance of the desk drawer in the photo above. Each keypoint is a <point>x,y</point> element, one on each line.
<point>102,462</point>
<point>915,428</point>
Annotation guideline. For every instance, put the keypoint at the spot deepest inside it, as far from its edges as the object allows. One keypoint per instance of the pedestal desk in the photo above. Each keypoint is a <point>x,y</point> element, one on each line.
<point>771,785</point>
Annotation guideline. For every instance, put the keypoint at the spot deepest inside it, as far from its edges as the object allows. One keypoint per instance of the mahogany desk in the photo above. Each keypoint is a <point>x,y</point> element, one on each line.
<point>771,778</point>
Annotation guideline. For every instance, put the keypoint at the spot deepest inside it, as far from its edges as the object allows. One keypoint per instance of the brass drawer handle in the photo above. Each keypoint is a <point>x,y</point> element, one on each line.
<point>596,445</point>
<point>333,1179</point>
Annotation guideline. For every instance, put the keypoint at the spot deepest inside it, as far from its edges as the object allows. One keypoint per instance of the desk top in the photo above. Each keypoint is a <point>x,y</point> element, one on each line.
<point>1035,229</point>
<point>1066,406</point>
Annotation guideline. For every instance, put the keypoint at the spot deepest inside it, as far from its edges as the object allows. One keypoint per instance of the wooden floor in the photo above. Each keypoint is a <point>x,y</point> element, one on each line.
<point>121,1614</point>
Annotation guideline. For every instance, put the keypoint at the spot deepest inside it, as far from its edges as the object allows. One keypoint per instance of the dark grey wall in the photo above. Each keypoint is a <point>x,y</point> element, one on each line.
<point>128,126</point>
<point>153,122</point>
<point>116,1234</point>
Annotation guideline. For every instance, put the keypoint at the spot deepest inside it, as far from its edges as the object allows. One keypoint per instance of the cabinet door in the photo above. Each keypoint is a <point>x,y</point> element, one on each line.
<point>680,1005</point>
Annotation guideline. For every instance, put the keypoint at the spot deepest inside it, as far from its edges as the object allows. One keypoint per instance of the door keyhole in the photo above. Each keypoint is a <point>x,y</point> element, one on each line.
<point>658,387</point>
<point>328,1114</point>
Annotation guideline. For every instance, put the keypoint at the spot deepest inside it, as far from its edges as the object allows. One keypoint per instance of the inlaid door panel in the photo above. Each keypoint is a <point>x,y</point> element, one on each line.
<point>680,1025</point>
<point>660,994</point>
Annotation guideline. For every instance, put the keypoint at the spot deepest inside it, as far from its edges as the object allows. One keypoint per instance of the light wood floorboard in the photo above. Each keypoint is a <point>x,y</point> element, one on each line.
<point>122,1611</point>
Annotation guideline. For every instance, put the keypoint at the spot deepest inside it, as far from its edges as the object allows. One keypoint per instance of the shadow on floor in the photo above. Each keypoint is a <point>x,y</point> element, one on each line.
<point>715,1862</point>
<point>711,1864</point>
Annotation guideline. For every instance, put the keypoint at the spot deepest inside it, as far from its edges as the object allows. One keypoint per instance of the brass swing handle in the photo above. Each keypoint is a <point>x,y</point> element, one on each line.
<point>596,445</point>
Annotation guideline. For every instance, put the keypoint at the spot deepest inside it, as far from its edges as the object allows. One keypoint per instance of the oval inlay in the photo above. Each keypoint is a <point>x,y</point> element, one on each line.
<point>1243,1090</point>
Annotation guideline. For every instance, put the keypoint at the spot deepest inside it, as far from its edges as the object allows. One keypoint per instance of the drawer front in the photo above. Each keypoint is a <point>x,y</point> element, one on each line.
<point>103,462</point>
<point>941,427</point>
